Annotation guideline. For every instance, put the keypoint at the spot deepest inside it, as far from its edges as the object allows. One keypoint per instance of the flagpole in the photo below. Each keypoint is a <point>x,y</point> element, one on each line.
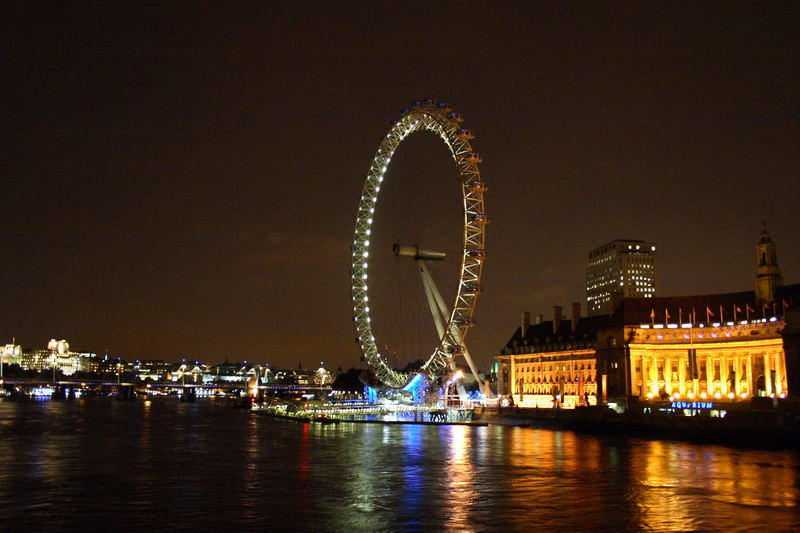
<point>692,360</point>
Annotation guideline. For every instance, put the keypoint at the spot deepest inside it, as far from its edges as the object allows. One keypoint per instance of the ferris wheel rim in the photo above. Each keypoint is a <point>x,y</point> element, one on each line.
<point>440,119</point>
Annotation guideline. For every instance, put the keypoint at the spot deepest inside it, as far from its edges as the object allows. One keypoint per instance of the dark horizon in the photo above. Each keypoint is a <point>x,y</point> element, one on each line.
<point>183,180</point>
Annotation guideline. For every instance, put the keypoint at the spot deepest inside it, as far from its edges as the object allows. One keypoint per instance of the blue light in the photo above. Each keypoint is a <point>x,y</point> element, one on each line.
<point>414,382</point>
<point>692,405</point>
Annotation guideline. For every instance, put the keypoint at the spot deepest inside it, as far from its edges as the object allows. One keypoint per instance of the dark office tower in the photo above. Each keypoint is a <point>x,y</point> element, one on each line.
<point>622,267</point>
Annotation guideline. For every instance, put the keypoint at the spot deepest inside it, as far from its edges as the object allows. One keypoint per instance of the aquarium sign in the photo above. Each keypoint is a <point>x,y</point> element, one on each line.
<point>692,405</point>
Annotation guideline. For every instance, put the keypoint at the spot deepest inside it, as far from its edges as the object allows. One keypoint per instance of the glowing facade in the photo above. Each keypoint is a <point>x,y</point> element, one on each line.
<point>567,378</point>
<point>552,362</point>
<point>730,361</point>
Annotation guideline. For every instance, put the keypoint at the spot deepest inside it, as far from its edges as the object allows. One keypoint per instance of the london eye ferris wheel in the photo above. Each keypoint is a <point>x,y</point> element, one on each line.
<point>463,250</point>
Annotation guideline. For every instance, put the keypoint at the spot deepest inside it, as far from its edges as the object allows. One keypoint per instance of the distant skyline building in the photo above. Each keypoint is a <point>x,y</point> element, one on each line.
<point>623,267</point>
<point>57,354</point>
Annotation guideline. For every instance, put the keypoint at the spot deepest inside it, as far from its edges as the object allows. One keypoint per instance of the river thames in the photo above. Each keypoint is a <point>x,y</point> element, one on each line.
<point>103,464</point>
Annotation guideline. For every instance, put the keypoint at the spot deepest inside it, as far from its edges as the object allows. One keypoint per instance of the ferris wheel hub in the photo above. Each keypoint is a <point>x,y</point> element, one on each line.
<point>418,253</point>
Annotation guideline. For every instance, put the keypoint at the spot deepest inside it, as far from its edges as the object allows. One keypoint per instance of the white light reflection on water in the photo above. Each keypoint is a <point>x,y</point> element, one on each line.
<point>460,477</point>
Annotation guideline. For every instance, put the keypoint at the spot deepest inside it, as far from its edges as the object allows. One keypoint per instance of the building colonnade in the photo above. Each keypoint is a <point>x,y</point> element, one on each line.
<point>730,370</point>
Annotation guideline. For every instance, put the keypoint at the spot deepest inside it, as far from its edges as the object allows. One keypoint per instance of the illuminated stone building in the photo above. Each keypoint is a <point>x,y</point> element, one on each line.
<point>551,362</point>
<point>725,347</point>
<point>620,268</point>
<point>10,354</point>
<point>322,377</point>
<point>719,347</point>
<point>59,354</point>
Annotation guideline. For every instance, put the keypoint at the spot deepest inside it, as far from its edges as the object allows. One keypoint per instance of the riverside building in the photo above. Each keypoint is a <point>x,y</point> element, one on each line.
<point>707,348</point>
<point>551,363</point>
<point>57,354</point>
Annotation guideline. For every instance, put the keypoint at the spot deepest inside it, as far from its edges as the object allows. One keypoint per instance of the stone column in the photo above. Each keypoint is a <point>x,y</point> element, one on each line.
<point>512,376</point>
<point>750,384</point>
<point>654,376</point>
<point>767,373</point>
<point>723,378</point>
<point>668,375</point>
<point>779,369</point>
<point>682,375</point>
<point>644,375</point>
<point>709,376</point>
<point>736,368</point>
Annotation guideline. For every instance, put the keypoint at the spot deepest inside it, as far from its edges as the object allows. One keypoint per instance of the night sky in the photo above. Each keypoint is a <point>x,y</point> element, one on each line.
<point>183,179</point>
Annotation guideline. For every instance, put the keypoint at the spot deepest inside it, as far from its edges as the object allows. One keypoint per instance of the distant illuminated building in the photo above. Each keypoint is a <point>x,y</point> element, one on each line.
<point>622,268</point>
<point>61,347</point>
<point>57,354</point>
<point>10,354</point>
<point>322,377</point>
<point>155,370</point>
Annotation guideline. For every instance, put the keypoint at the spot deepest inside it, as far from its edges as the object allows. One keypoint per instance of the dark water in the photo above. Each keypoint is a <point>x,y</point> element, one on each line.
<point>164,465</point>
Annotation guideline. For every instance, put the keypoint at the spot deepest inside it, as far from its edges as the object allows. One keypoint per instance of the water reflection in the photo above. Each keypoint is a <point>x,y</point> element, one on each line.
<point>74,465</point>
<point>681,486</point>
<point>252,476</point>
<point>413,479</point>
<point>460,477</point>
<point>358,495</point>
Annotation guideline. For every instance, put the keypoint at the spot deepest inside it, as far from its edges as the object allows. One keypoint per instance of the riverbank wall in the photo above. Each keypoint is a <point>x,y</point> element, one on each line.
<point>771,425</point>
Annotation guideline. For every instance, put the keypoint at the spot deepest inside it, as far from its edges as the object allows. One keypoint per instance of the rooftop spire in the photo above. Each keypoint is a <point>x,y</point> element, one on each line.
<point>768,274</point>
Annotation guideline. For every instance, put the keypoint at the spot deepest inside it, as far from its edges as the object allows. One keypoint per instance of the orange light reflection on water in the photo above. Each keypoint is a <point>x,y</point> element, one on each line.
<point>677,480</point>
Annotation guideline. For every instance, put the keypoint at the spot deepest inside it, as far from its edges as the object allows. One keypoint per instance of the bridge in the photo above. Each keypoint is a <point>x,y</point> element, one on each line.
<point>189,391</point>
